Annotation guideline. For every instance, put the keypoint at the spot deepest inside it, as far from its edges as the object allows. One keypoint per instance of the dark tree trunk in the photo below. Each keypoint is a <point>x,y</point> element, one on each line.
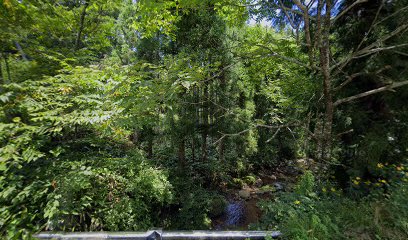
<point>1,74</point>
<point>204,134</point>
<point>150,148</point>
<point>327,87</point>
<point>193,147</point>
<point>81,26</point>
<point>221,150</point>
<point>182,153</point>
<point>7,68</point>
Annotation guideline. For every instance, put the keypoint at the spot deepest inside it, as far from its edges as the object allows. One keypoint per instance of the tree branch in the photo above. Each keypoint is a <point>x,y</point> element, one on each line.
<point>401,53</point>
<point>371,92</point>
<point>375,50</point>
<point>306,20</point>
<point>287,15</point>
<point>224,135</point>
<point>391,15</point>
<point>81,26</point>
<point>372,25</point>
<point>354,75</point>
<point>348,9</point>
<point>344,133</point>
<point>341,64</point>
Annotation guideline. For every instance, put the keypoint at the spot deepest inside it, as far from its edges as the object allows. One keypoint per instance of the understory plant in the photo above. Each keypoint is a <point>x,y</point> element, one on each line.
<point>320,211</point>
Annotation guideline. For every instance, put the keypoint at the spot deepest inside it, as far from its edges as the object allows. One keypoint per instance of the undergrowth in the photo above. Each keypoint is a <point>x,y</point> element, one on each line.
<point>320,211</point>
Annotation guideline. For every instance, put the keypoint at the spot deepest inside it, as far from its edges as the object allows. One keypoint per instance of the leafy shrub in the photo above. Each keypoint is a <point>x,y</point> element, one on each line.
<point>107,193</point>
<point>88,194</point>
<point>310,213</point>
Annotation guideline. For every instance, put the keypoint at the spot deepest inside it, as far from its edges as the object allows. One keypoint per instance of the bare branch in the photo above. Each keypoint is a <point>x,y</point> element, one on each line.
<point>348,9</point>
<point>379,42</point>
<point>345,132</point>
<point>341,64</point>
<point>371,92</point>
<point>354,75</point>
<point>287,15</point>
<point>375,50</point>
<point>306,19</point>
<point>311,3</point>
<point>224,135</point>
<point>273,136</point>
<point>318,35</point>
<point>372,25</point>
<point>391,15</point>
<point>401,53</point>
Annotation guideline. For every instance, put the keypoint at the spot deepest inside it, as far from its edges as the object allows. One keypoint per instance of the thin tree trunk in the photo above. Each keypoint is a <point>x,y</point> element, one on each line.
<point>204,134</point>
<point>150,148</point>
<point>135,137</point>
<point>1,74</point>
<point>193,147</point>
<point>221,150</point>
<point>20,49</point>
<point>182,154</point>
<point>7,68</point>
<point>307,137</point>
<point>81,26</point>
<point>327,87</point>
<point>329,106</point>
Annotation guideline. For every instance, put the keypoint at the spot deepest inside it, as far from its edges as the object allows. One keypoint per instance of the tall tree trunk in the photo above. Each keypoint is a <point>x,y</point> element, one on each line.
<point>81,26</point>
<point>182,153</point>
<point>20,49</point>
<point>7,68</point>
<point>196,119</point>
<point>327,86</point>
<point>221,150</point>
<point>150,148</point>
<point>1,74</point>
<point>193,147</point>
<point>204,134</point>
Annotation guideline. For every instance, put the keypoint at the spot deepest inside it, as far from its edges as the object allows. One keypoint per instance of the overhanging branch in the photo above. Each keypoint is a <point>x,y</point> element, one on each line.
<point>348,9</point>
<point>371,92</point>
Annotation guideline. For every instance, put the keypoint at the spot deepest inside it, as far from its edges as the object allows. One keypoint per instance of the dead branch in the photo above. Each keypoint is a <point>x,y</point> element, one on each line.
<point>371,92</point>
<point>372,25</point>
<point>348,9</point>
<point>376,45</point>
<point>355,75</point>
<point>224,135</point>
<point>344,133</point>
<point>306,19</point>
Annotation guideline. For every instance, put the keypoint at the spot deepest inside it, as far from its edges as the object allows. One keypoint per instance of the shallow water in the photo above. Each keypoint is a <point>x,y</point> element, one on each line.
<point>234,213</point>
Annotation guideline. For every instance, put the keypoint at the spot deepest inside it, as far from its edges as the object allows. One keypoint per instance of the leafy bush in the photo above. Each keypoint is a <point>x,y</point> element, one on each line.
<point>61,171</point>
<point>107,193</point>
<point>316,211</point>
<point>88,194</point>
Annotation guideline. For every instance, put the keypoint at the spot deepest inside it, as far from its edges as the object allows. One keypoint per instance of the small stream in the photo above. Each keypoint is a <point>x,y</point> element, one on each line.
<point>234,213</point>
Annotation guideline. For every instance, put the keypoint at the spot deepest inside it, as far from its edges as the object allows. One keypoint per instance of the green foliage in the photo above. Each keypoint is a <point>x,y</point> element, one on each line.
<point>327,214</point>
<point>103,193</point>
<point>124,115</point>
<point>45,185</point>
<point>196,206</point>
<point>306,185</point>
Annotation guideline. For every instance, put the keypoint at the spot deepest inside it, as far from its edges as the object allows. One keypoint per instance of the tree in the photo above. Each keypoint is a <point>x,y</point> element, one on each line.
<point>314,21</point>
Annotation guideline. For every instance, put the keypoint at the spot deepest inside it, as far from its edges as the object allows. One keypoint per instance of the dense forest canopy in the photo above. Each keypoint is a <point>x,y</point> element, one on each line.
<point>124,115</point>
